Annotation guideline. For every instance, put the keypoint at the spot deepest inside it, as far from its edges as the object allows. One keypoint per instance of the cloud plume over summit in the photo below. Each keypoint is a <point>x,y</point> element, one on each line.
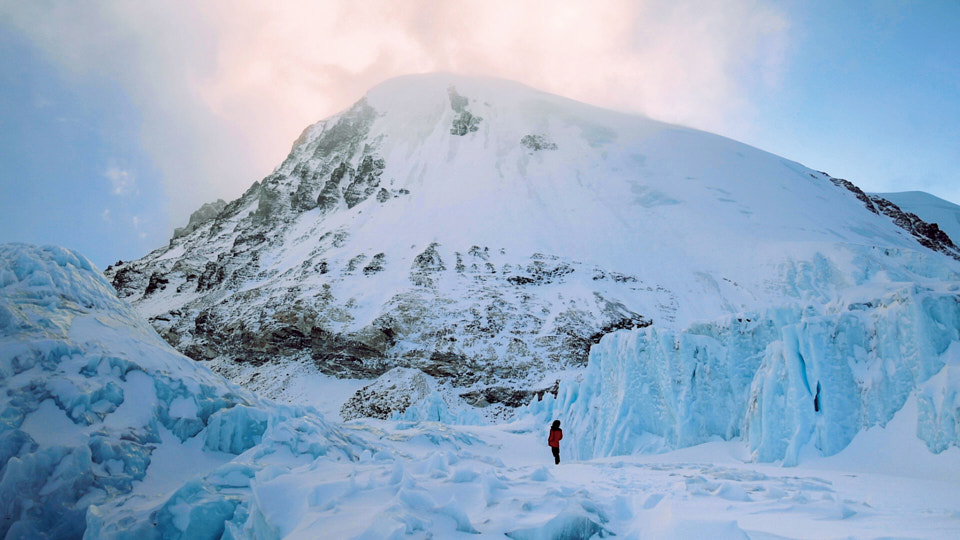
<point>224,87</point>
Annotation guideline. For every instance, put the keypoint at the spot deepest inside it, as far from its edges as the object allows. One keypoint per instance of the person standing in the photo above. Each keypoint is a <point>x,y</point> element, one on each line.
<point>554,440</point>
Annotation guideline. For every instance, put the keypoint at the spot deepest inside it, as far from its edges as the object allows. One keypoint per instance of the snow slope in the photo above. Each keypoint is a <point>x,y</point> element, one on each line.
<point>488,234</point>
<point>930,208</point>
<point>106,432</point>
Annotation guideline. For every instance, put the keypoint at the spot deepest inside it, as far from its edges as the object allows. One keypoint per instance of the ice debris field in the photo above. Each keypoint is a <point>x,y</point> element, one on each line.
<point>107,432</point>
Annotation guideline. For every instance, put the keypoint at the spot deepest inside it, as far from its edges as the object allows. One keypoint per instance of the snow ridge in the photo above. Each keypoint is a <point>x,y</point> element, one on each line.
<point>932,209</point>
<point>928,234</point>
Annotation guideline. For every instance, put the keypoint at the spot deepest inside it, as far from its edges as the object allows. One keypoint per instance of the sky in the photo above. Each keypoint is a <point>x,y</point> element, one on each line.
<point>119,119</point>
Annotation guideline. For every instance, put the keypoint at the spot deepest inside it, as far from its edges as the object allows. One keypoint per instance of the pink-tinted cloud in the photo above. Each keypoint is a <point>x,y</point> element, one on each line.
<point>225,86</point>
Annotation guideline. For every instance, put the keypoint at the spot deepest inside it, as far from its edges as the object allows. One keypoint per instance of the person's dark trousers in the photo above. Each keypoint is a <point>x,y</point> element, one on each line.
<point>556,453</point>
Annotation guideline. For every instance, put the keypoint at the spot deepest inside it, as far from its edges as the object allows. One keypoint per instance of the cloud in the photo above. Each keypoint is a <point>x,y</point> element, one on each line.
<point>224,87</point>
<point>105,215</point>
<point>122,181</point>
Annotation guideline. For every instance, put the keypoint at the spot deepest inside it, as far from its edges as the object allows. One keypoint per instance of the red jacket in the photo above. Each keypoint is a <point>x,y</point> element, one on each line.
<point>555,436</point>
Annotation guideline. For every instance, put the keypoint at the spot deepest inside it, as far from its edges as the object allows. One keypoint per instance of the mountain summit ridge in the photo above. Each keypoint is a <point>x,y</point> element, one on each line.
<point>489,234</point>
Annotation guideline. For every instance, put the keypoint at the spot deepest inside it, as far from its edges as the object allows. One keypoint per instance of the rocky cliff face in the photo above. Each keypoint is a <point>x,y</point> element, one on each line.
<point>206,212</point>
<point>480,318</point>
<point>488,235</point>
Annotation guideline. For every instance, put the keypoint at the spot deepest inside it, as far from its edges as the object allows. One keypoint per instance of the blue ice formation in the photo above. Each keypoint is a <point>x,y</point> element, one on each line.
<point>433,408</point>
<point>780,379</point>
<point>93,401</point>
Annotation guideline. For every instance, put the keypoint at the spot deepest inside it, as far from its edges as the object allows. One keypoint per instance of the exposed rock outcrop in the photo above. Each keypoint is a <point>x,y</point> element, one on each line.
<point>392,393</point>
<point>537,142</point>
<point>928,234</point>
<point>206,213</point>
<point>465,122</point>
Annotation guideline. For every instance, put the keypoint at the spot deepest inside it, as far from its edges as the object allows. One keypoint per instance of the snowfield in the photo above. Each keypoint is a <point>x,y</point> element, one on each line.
<point>107,432</point>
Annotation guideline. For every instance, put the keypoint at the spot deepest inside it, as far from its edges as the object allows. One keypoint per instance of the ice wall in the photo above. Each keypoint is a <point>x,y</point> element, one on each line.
<point>830,376</point>
<point>780,379</point>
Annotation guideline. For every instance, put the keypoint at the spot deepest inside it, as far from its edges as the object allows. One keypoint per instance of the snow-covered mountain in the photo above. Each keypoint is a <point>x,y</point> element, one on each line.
<point>489,234</point>
<point>930,208</point>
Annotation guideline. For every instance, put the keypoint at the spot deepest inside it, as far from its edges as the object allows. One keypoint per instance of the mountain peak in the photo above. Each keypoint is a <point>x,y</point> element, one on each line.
<point>489,234</point>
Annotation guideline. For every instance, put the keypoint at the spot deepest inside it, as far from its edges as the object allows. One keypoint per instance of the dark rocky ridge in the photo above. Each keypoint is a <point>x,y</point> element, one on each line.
<point>465,122</point>
<point>206,212</point>
<point>511,397</point>
<point>928,234</point>
<point>297,329</point>
<point>537,142</point>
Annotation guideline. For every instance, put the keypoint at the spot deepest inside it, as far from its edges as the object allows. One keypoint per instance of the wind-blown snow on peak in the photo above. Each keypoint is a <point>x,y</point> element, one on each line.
<point>489,234</point>
<point>481,184</point>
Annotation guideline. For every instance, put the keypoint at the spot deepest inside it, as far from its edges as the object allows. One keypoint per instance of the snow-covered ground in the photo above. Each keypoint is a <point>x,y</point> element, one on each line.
<point>501,480</point>
<point>107,432</point>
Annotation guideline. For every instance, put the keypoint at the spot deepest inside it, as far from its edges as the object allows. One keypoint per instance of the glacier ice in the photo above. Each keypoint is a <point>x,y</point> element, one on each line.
<point>780,378</point>
<point>564,525</point>
<point>90,395</point>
